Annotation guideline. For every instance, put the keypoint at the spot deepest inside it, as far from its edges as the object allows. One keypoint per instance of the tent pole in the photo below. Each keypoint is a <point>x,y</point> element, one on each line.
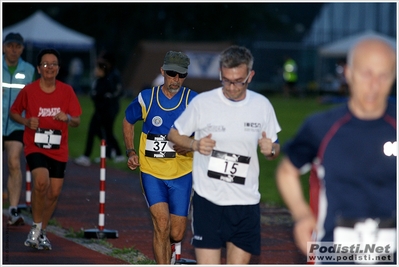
<point>92,62</point>
<point>29,53</point>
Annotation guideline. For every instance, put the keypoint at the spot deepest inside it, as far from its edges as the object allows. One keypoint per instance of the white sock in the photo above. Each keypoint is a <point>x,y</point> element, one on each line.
<point>38,225</point>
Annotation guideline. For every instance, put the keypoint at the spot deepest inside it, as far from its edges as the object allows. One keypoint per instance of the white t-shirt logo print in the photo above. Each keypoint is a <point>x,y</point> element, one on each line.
<point>391,149</point>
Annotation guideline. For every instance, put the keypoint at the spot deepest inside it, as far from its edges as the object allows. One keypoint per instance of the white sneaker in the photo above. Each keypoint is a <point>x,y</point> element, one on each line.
<point>15,218</point>
<point>33,238</point>
<point>83,161</point>
<point>119,158</point>
<point>44,243</point>
<point>113,153</point>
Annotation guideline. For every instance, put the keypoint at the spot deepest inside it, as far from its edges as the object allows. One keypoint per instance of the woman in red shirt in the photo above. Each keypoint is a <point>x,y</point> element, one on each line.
<point>50,106</point>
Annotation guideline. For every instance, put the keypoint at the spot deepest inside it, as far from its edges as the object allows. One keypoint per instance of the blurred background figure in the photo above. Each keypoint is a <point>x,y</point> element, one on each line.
<point>290,76</point>
<point>342,86</point>
<point>16,74</point>
<point>105,93</point>
<point>75,74</point>
<point>352,198</point>
<point>158,80</point>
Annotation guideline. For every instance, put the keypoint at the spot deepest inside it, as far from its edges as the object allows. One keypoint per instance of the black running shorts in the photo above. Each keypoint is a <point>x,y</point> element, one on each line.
<point>215,225</point>
<point>14,136</point>
<point>56,168</point>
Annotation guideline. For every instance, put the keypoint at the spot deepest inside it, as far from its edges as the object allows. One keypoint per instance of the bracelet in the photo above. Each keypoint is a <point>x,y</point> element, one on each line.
<point>191,144</point>
<point>68,118</point>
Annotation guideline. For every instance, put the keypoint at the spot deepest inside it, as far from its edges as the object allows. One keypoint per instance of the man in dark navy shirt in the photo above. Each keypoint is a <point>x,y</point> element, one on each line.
<point>352,153</point>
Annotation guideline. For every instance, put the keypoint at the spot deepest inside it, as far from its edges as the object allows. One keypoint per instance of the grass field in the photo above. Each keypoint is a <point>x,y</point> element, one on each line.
<point>290,114</point>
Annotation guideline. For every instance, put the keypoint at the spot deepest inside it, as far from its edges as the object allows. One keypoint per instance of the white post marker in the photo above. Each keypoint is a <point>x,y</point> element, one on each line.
<point>100,232</point>
<point>28,191</point>
<point>179,259</point>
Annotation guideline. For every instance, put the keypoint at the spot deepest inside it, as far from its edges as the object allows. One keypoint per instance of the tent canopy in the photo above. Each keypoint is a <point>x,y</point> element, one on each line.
<point>341,47</point>
<point>39,30</point>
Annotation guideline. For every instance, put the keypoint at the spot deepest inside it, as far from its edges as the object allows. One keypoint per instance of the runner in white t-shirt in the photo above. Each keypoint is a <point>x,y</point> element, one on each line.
<point>229,123</point>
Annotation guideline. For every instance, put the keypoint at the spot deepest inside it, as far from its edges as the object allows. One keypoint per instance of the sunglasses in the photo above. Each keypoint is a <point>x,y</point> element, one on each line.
<point>172,73</point>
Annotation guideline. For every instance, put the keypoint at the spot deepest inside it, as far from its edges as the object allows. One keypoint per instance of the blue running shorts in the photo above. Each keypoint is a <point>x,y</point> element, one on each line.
<point>175,192</point>
<point>214,225</point>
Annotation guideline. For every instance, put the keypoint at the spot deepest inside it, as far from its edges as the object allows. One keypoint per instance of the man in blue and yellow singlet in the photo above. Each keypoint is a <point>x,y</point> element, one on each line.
<point>165,168</point>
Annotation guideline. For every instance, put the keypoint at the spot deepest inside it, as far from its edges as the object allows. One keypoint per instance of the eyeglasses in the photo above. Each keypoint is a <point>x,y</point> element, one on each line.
<point>227,83</point>
<point>172,73</point>
<point>49,65</point>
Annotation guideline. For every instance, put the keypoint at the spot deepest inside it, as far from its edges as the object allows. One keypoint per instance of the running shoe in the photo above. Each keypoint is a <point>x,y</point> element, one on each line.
<point>15,218</point>
<point>83,161</point>
<point>119,159</point>
<point>33,238</point>
<point>44,243</point>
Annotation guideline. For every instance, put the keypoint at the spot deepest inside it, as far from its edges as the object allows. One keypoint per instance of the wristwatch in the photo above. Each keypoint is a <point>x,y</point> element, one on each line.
<point>273,152</point>
<point>130,150</point>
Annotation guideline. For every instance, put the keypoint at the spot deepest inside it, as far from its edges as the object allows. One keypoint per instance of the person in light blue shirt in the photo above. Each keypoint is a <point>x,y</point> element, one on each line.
<point>16,74</point>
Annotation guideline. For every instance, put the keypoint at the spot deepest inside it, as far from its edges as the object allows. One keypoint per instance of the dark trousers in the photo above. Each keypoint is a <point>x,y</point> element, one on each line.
<point>102,126</point>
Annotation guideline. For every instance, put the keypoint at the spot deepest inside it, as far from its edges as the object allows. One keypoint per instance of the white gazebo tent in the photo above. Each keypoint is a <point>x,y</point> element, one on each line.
<point>341,47</point>
<point>40,31</point>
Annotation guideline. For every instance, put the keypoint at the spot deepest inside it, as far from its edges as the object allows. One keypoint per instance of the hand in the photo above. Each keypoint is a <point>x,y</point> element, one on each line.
<point>303,231</point>
<point>205,145</point>
<point>61,116</point>
<point>33,123</point>
<point>133,162</point>
<point>181,150</point>
<point>265,145</point>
